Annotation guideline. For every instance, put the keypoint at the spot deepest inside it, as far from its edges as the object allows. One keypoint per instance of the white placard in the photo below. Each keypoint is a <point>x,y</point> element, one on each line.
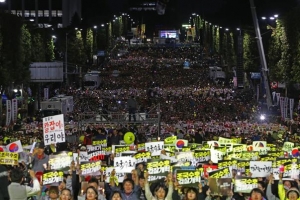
<point>54,129</point>
<point>83,156</point>
<point>260,168</point>
<point>154,147</point>
<point>124,164</point>
<point>216,155</point>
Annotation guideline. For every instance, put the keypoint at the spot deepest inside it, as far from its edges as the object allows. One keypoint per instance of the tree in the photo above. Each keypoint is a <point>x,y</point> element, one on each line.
<point>38,47</point>
<point>250,54</point>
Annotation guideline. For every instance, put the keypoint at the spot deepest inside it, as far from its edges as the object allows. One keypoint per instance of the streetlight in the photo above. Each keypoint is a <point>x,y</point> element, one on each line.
<point>95,27</point>
<point>2,1</point>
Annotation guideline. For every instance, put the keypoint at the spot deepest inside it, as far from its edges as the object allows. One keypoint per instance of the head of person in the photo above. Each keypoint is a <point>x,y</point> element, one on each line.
<point>116,195</point>
<point>191,194</point>
<point>142,181</point>
<point>256,194</point>
<point>53,192</point>
<point>160,191</point>
<point>128,185</point>
<point>261,185</point>
<point>292,193</point>
<point>62,185</point>
<point>40,148</point>
<point>16,176</point>
<point>93,182</point>
<point>287,184</point>
<point>91,193</point>
<point>65,194</point>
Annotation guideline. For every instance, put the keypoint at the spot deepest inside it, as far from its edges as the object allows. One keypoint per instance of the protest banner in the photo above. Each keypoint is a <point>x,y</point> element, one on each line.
<point>119,149</point>
<point>219,186</point>
<point>289,170</point>
<point>54,129</point>
<point>102,143</point>
<point>8,158</point>
<point>288,146</point>
<point>124,164</point>
<point>188,178</point>
<point>216,155</point>
<point>260,168</point>
<point>183,157</point>
<point>226,163</point>
<point>142,156</point>
<point>245,184</point>
<point>83,156</point>
<point>209,168</point>
<point>141,147</point>
<point>90,168</point>
<point>167,157</point>
<point>95,153</point>
<point>50,177</point>
<point>220,173</point>
<point>119,174</point>
<point>61,160</point>
<point>202,155</point>
<point>154,147</point>
<point>158,169</point>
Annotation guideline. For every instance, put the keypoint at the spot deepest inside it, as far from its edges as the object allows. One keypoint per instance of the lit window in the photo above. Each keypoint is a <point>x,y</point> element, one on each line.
<point>46,13</point>
<point>59,13</point>
<point>40,13</point>
<point>27,13</point>
<point>53,13</point>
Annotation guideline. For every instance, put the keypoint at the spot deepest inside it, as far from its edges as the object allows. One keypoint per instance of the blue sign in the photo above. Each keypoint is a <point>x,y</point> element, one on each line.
<point>255,75</point>
<point>4,98</point>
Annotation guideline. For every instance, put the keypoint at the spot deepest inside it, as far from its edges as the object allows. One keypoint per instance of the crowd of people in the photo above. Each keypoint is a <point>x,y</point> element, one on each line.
<point>192,107</point>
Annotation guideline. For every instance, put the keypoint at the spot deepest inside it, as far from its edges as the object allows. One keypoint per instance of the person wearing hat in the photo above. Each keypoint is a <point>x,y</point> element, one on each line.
<point>39,158</point>
<point>291,194</point>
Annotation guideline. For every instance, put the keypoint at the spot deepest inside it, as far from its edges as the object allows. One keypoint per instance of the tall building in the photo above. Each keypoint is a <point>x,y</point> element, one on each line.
<point>44,13</point>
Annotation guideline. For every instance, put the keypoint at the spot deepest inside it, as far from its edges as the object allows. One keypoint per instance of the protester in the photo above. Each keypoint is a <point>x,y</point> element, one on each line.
<point>17,191</point>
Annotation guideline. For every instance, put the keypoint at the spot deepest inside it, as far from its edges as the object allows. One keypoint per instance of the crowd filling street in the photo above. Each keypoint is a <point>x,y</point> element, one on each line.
<point>208,142</point>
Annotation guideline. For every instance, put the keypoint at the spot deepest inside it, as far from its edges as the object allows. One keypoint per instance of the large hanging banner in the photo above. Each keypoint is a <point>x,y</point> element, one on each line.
<point>54,129</point>
<point>14,110</point>
<point>8,112</point>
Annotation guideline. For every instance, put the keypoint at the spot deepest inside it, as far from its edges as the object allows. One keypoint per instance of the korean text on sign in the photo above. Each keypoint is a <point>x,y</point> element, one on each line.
<point>53,129</point>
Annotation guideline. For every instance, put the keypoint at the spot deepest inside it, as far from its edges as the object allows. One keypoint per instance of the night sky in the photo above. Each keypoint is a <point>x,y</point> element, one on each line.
<point>222,12</point>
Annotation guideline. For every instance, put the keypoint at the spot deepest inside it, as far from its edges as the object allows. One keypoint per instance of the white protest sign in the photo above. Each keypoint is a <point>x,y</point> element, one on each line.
<point>216,155</point>
<point>213,144</point>
<point>154,147</point>
<point>288,146</point>
<point>83,156</point>
<point>90,168</point>
<point>54,129</point>
<point>260,168</point>
<point>124,164</point>
<point>171,158</point>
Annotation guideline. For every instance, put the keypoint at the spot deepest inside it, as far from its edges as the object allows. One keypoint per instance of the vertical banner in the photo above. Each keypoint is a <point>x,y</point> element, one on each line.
<point>54,129</point>
<point>286,103</point>
<point>14,110</point>
<point>291,108</point>
<point>257,92</point>
<point>8,112</point>
<point>46,93</point>
<point>274,96</point>
<point>278,98</point>
<point>282,107</point>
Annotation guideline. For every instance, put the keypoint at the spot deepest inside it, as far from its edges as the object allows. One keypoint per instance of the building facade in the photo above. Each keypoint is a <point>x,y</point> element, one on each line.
<point>44,13</point>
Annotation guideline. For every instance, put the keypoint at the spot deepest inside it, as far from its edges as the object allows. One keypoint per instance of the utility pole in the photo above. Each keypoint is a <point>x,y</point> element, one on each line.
<point>262,56</point>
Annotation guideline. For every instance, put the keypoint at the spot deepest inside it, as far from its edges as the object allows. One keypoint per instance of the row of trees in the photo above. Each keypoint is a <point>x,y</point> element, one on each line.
<point>281,44</point>
<point>22,44</point>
